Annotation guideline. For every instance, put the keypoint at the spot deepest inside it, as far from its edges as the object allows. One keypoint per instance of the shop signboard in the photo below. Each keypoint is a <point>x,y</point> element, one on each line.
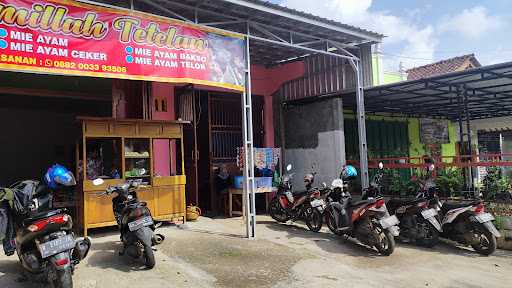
<point>73,38</point>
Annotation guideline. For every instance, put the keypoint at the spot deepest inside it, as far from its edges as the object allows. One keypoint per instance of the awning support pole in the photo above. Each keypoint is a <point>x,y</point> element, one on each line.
<point>468,130</point>
<point>460,104</point>
<point>361,121</point>
<point>249,185</point>
<point>461,131</point>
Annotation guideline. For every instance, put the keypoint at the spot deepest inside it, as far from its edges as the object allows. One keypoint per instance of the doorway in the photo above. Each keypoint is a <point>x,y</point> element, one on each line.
<point>212,140</point>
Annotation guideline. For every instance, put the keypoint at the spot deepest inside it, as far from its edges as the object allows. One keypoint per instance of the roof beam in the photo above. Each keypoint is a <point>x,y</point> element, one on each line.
<point>166,10</point>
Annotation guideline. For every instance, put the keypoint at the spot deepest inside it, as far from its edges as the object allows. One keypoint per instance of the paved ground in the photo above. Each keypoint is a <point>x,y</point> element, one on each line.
<point>211,253</point>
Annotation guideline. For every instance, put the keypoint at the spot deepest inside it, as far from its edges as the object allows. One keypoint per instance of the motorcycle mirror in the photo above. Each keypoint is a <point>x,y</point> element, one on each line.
<point>98,182</point>
<point>289,167</point>
<point>381,165</point>
<point>324,185</point>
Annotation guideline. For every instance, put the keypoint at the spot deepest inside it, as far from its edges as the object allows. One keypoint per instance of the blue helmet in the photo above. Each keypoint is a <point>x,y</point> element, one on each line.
<point>348,172</point>
<point>59,175</point>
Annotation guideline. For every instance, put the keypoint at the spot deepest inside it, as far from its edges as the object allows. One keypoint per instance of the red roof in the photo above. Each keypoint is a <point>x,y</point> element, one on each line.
<point>459,63</point>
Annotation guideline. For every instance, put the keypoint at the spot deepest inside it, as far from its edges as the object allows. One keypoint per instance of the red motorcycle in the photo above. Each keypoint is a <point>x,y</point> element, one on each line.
<point>292,205</point>
<point>368,220</point>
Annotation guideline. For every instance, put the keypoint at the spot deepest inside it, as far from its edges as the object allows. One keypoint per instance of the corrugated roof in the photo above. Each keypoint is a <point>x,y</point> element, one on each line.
<point>488,91</point>
<point>444,66</point>
<point>276,31</point>
<point>315,17</point>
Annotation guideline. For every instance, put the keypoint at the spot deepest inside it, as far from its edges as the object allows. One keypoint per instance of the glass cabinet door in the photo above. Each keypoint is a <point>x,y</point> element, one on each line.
<point>137,155</point>
<point>103,159</point>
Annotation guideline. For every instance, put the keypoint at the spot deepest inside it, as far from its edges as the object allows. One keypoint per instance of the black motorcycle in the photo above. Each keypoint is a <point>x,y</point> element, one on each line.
<point>134,221</point>
<point>418,221</point>
<point>45,242</point>
<point>292,205</point>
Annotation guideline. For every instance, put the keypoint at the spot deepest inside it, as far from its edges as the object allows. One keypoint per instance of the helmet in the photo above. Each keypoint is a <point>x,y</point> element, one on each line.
<point>309,178</point>
<point>59,175</point>
<point>348,172</point>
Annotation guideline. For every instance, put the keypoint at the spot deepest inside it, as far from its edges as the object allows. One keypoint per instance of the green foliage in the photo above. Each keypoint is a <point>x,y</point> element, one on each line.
<point>494,183</point>
<point>450,181</point>
<point>396,185</point>
<point>499,222</point>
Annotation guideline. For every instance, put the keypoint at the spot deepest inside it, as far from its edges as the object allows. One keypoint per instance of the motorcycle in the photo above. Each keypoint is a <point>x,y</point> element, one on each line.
<point>465,223</point>
<point>469,224</point>
<point>135,222</point>
<point>291,205</point>
<point>45,242</point>
<point>418,221</point>
<point>368,220</point>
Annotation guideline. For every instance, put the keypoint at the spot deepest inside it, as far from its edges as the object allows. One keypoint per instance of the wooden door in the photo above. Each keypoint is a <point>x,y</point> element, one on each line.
<point>186,110</point>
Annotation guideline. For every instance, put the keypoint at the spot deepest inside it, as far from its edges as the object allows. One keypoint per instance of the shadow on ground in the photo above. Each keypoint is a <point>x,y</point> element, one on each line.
<point>105,255</point>
<point>349,246</point>
<point>12,275</point>
<point>325,240</point>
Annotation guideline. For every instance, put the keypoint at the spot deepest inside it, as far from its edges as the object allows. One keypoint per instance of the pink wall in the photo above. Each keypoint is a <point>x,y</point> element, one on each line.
<point>265,82</point>
<point>161,147</point>
<point>164,90</point>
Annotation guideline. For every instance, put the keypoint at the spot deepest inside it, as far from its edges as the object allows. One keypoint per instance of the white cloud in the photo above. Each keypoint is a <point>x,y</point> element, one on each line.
<point>417,42</point>
<point>471,23</point>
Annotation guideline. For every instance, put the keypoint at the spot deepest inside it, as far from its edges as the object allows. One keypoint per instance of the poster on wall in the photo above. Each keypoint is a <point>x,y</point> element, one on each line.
<point>71,38</point>
<point>434,131</point>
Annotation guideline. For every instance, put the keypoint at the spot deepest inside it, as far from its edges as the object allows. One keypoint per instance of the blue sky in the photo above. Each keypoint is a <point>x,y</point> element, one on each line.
<point>420,32</point>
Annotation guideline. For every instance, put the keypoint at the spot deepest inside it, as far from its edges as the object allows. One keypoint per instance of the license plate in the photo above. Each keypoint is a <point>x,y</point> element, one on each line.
<point>56,246</point>
<point>389,221</point>
<point>486,217</point>
<point>317,202</point>
<point>139,223</point>
<point>429,213</point>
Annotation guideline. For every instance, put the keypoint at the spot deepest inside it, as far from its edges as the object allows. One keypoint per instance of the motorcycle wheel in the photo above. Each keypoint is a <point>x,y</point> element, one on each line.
<point>331,222</point>
<point>276,211</point>
<point>487,244</point>
<point>63,279</point>
<point>386,242</point>
<point>432,237</point>
<point>149,257</point>
<point>313,219</point>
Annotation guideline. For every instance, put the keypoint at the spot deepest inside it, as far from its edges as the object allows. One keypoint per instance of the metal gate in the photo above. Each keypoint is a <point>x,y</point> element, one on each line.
<point>226,126</point>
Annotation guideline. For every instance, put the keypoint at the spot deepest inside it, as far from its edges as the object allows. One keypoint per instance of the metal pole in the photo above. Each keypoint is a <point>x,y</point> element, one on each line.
<point>249,185</point>
<point>361,121</point>
<point>461,131</point>
<point>195,156</point>
<point>468,130</point>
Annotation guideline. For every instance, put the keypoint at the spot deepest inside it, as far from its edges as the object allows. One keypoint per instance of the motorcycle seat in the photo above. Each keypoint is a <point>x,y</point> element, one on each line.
<point>42,215</point>
<point>299,193</point>
<point>394,204</point>
<point>451,206</point>
<point>402,202</point>
<point>359,203</point>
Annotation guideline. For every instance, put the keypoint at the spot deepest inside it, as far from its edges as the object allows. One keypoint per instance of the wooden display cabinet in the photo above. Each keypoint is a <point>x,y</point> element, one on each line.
<point>118,150</point>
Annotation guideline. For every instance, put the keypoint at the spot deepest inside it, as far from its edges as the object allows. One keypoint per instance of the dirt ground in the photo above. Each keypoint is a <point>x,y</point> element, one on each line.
<point>212,253</point>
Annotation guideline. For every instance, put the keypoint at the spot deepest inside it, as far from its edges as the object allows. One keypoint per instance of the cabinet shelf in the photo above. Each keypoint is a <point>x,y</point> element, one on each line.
<point>137,157</point>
